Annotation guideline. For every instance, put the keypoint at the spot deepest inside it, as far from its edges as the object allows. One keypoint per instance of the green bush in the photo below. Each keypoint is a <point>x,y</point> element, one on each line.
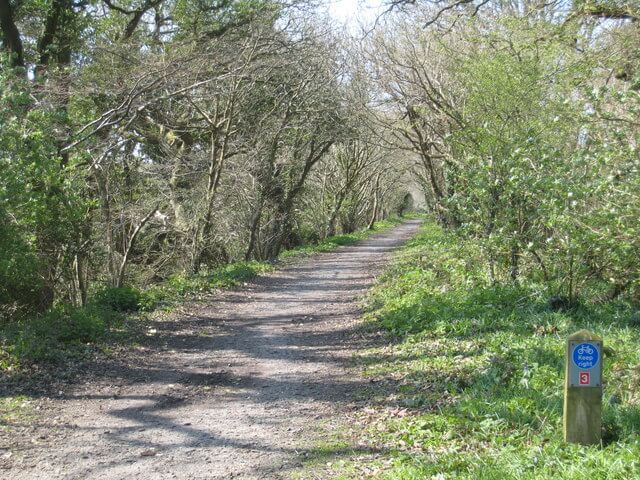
<point>19,280</point>
<point>46,337</point>
<point>151,298</point>
<point>223,277</point>
<point>121,299</point>
<point>84,325</point>
<point>238,272</point>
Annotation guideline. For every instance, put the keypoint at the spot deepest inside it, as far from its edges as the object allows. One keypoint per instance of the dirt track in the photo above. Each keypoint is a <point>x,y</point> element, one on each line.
<point>235,389</point>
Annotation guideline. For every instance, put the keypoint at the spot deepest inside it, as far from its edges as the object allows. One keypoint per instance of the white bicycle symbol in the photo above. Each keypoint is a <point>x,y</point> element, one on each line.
<point>585,350</point>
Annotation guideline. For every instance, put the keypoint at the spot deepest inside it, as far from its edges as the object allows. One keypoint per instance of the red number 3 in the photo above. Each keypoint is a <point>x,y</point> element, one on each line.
<point>585,378</point>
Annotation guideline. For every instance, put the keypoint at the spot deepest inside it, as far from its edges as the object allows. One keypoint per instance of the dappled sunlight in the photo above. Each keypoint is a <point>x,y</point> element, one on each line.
<point>239,381</point>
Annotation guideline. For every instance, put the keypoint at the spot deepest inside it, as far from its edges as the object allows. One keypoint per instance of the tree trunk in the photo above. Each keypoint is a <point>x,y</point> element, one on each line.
<point>255,229</point>
<point>515,263</point>
<point>331,229</point>
<point>374,212</point>
<point>10,34</point>
<point>281,227</point>
<point>119,281</point>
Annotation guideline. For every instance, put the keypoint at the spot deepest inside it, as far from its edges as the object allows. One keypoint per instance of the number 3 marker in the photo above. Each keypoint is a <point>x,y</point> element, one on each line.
<point>585,378</point>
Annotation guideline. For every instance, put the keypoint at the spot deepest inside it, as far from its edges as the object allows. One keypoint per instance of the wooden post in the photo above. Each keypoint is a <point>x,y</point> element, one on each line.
<point>583,389</point>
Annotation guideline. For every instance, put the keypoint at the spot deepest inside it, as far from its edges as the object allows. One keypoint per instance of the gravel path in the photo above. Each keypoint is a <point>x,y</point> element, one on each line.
<point>234,389</point>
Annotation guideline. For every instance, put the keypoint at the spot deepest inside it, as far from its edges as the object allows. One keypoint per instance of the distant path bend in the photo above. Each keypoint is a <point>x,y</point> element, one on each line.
<point>235,389</point>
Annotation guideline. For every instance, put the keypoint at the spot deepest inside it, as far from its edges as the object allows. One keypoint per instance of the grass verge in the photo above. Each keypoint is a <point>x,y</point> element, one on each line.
<point>468,383</point>
<point>14,410</point>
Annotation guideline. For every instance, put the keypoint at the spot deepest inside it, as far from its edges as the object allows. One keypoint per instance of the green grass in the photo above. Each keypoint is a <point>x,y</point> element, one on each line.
<point>224,277</point>
<point>14,410</point>
<point>473,376</point>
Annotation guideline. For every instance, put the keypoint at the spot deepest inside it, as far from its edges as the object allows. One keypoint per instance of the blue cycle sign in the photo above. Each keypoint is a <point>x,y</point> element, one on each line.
<point>585,355</point>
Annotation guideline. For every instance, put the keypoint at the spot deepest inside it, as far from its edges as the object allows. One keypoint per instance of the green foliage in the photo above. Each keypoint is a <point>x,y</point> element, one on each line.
<point>129,299</point>
<point>543,165</point>
<point>19,281</point>
<point>198,18</point>
<point>56,334</point>
<point>516,148</point>
<point>478,374</point>
<point>224,277</point>
<point>123,299</point>
<point>331,243</point>
<point>41,207</point>
<point>151,298</point>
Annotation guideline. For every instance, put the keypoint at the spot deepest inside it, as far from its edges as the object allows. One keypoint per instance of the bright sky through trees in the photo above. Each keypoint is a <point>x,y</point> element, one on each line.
<point>355,12</point>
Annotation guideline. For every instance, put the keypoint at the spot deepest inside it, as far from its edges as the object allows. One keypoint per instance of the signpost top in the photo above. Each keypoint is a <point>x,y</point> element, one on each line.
<point>584,335</point>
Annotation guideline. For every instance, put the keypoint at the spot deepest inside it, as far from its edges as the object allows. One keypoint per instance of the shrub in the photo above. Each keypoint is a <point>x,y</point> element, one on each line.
<point>82,325</point>
<point>223,277</point>
<point>151,298</point>
<point>43,338</point>
<point>120,299</point>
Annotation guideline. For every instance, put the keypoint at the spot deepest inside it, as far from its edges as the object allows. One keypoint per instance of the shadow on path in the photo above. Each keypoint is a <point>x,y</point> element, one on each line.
<point>232,390</point>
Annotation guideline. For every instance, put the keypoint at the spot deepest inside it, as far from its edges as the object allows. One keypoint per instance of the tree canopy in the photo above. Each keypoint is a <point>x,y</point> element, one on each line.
<point>145,138</point>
